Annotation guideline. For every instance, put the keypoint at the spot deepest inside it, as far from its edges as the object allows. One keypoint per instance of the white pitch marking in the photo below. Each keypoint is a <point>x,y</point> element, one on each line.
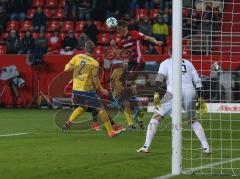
<point>198,168</point>
<point>15,134</point>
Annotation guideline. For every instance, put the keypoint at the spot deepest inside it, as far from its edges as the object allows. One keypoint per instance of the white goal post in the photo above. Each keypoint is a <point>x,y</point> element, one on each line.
<point>177,86</point>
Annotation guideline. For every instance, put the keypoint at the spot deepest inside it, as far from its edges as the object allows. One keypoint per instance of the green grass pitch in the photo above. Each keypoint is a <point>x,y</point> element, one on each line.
<point>45,152</point>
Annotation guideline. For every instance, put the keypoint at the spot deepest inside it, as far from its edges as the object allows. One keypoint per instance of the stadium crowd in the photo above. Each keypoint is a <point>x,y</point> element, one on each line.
<point>44,32</point>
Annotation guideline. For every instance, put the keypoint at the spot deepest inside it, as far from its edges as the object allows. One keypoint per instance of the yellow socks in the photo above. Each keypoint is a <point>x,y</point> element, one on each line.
<point>128,116</point>
<point>77,112</point>
<point>104,117</point>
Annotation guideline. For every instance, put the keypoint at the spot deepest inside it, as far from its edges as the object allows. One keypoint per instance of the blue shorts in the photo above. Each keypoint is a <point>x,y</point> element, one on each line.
<point>87,99</point>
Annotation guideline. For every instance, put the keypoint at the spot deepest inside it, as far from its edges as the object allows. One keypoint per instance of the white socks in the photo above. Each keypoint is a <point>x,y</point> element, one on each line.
<point>198,129</point>
<point>151,131</point>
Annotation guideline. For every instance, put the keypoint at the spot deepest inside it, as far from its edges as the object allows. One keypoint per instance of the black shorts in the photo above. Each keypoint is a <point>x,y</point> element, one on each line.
<point>87,99</point>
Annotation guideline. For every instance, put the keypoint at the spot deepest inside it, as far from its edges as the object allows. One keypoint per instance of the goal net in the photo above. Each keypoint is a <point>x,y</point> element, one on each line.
<point>211,40</point>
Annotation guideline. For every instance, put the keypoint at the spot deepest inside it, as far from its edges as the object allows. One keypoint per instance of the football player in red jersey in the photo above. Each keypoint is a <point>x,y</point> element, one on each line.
<point>131,45</point>
<point>132,41</point>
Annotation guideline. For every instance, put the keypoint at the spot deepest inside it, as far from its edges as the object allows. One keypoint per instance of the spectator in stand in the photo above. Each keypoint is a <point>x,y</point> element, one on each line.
<point>216,19</point>
<point>41,44</point>
<point>70,9</point>
<point>12,42</point>
<point>160,29</point>
<point>158,4</point>
<point>3,19</point>
<point>165,16</point>
<point>85,9</point>
<point>81,42</point>
<point>145,26</point>
<point>144,4</point>
<point>5,5</point>
<point>90,29</point>
<point>39,20</point>
<point>117,8</point>
<point>69,44</point>
<point>55,42</point>
<point>187,28</point>
<point>133,5</point>
<point>17,9</point>
<point>99,10</point>
<point>196,22</point>
<point>26,44</point>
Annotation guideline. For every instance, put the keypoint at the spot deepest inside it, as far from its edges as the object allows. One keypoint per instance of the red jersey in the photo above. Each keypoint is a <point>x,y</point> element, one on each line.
<point>133,42</point>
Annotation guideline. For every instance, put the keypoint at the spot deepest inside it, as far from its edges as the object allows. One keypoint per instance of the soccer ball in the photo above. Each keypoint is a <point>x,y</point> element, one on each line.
<point>216,67</point>
<point>111,22</point>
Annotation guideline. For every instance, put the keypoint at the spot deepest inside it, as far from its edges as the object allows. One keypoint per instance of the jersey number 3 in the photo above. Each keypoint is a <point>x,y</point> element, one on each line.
<point>184,69</point>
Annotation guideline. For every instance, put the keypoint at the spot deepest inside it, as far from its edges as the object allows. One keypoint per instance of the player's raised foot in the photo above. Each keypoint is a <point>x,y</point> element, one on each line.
<point>143,149</point>
<point>65,128</point>
<point>96,126</point>
<point>206,151</point>
<point>118,127</point>
<point>113,133</point>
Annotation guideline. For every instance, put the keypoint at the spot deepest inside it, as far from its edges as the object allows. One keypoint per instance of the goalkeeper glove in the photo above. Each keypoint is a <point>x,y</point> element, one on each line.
<point>201,106</point>
<point>156,100</point>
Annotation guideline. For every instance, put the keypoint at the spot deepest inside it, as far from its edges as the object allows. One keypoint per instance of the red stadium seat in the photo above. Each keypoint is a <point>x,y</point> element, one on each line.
<point>59,14</point>
<point>35,35</point>
<point>37,3</point>
<point>63,34</point>
<point>48,35</point>
<point>67,26</point>
<point>117,37</point>
<point>30,13</point>
<point>78,34</point>
<point>79,26</point>
<point>3,49</point>
<point>140,13</point>
<point>103,38</point>
<point>21,35</point>
<point>61,3</point>
<point>105,28</point>
<point>99,50</point>
<point>53,25</point>
<point>186,12</point>
<point>4,36</point>
<point>12,25</point>
<point>50,13</point>
<point>51,3</point>
<point>98,24</point>
<point>25,25</point>
<point>153,13</point>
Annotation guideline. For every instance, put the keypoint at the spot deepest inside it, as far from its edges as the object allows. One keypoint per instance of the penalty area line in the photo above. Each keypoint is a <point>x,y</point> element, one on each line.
<point>198,168</point>
<point>15,134</point>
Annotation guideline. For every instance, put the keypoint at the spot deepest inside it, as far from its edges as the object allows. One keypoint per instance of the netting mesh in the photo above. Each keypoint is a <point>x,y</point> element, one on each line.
<point>211,39</point>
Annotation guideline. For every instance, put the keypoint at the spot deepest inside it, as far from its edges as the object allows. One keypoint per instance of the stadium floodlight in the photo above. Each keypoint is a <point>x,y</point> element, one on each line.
<point>177,88</point>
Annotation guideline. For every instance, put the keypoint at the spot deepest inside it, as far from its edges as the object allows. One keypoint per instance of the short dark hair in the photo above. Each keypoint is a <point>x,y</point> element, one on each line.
<point>89,46</point>
<point>122,23</point>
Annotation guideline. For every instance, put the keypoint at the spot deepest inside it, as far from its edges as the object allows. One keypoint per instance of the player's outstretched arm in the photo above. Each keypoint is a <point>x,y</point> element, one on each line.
<point>153,40</point>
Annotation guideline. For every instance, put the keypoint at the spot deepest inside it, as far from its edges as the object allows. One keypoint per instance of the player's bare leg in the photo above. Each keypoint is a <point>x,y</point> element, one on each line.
<point>199,131</point>
<point>151,131</point>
